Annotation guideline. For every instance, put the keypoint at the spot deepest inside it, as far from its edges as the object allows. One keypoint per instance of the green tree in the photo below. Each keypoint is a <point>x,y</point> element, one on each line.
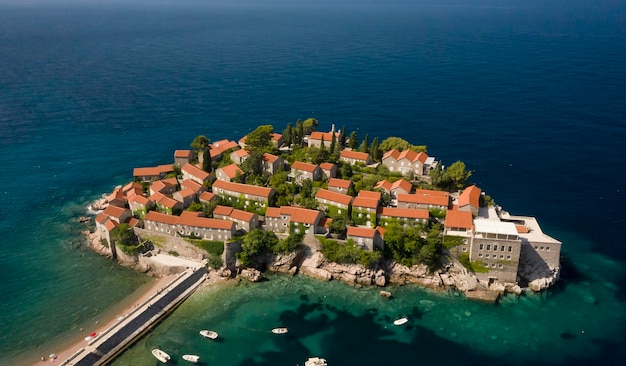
<point>288,134</point>
<point>342,136</point>
<point>393,142</point>
<point>346,171</point>
<point>458,175</point>
<point>374,152</point>
<point>333,143</point>
<point>200,143</point>
<point>309,125</point>
<point>123,236</point>
<point>353,141</point>
<point>300,133</point>
<point>365,145</point>
<point>252,165</point>
<point>289,244</point>
<point>256,242</point>
<point>260,139</point>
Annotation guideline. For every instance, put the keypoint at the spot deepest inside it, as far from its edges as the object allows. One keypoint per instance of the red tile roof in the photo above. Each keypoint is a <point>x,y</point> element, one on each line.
<point>276,136</point>
<point>340,183</point>
<point>241,153</point>
<point>365,202</point>
<point>224,145</point>
<point>244,188</point>
<point>272,212</point>
<point>132,186</point>
<point>133,222</point>
<point>187,192</point>
<point>521,229</point>
<point>146,172</point>
<point>167,202</point>
<point>381,230</point>
<point>182,153</point>
<point>101,218</point>
<point>408,154</point>
<point>470,196</point>
<point>350,154</point>
<point>114,211</point>
<point>161,217</point>
<point>426,197</point>
<point>333,196</point>
<point>402,184</point>
<point>191,184</point>
<point>139,199</point>
<point>206,196</point>
<point>362,232</point>
<point>298,165</point>
<point>327,166</point>
<point>412,213</point>
<point>270,158</point>
<point>460,219</point>
<point>300,215</point>
<point>187,219</point>
<point>196,172</point>
<point>384,184</point>
<point>234,213</point>
<point>231,170</point>
<point>328,136</point>
<point>370,195</point>
<point>110,225</point>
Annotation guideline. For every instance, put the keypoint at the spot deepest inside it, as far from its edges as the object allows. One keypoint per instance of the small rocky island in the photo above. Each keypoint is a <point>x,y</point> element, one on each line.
<point>329,205</point>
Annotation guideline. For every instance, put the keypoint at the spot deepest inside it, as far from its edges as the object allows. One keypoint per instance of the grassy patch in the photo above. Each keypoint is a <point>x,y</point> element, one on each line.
<point>158,241</point>
<point>213,247</point>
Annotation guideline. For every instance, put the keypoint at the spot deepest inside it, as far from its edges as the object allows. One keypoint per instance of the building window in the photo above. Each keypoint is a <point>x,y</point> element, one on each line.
<point>486,255</point>
<point>488,247</point>
<point>493,265</point>
<point>536,247</point>
<point>501,256</point>
<point>464,249</point>
<point>508,257</point>
<point>547,248</point>
<point>500,266</point>
<point>465,241</point>
<point>541,248</point>
<point>481,247</point>
<point>502,248</point>
<point>510,249</point>
<point>480,255</point>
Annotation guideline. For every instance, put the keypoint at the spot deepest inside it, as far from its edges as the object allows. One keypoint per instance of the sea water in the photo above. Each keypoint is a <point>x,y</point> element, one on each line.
<point>530,95</point>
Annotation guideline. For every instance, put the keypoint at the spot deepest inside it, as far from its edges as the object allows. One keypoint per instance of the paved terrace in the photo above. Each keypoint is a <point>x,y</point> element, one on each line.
<point>115,339</point>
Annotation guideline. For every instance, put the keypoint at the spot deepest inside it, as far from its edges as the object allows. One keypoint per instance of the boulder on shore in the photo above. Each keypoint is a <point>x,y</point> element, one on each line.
<point>251,275</point>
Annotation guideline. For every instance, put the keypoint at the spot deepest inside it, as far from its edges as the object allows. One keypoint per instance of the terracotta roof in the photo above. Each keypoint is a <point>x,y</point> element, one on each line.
<point>231,170</point>
<point>408,154</point>
<point>272,212</point>
<point>116,194</point>
<point>327,166</point>
<point>234,213</point>
<point>133,222</point>
<point>370,195</point>
<point>161,217</point>
<point>187,219</point>
<point>412,213</point>
<point>187,192</point>
<point>333,196</point>
<point>165,168</point>
<point>300,215</point>
<point>402,184</point>
<point>114,211</point>
<point>194,171</point>
<point>325,222</point>
<point>132,186</point>
<point>167,202</point>
<point>110,225</point>
<point>426,197</point>
<point>276,136</point>
<point>206,196</point>
<point>384,184</point>
<point>298,165</point>
<point>461,219</point>
<point>270,158</point>
<point>381,230</point>
<point>139,199</point>
<point>191,184</point>
<point>341,183</point>
<point>365,202</point>
<point>470,196</point>
<point>362,232</point>
<point>182,153</point>
<point>328,136</point>
<point>241,153</point>
<point>217,150</point>
<point>350,154</point>
<point>146,172</point>
<point>101,218</point>
<point>160,185</point>
<point>244,188</point>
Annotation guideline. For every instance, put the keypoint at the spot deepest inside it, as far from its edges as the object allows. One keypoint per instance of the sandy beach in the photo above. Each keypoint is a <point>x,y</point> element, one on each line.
<point>77,340</point>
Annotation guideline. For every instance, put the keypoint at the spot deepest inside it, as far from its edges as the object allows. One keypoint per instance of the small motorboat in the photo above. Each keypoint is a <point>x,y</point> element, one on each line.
<point>209,334</point>
<point>191,358</point>
<point>280,330</point>
<point>161,355</point>
<point>315,361</point>
<point>401,321</point>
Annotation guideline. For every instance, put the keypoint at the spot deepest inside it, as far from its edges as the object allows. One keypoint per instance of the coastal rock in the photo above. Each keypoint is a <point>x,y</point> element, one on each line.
<point>83,219</point>
<point>540,284</point>
<point>513,288</point>
<point>251,274</point>
<point>293,270</point>
<point>224,272</point>
<point>318,273</point>
<point>497,287</point>
<point>380,278</point>
<point>100,204</point>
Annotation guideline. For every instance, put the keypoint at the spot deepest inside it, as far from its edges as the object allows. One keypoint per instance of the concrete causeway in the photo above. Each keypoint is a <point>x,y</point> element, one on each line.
<point>117,338</point>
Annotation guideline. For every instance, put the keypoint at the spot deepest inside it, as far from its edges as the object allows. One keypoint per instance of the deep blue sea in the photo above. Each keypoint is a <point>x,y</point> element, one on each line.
<point>531,95</point>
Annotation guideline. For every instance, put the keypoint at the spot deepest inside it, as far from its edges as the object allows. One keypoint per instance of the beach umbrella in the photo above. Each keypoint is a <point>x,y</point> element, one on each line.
<point>93,334</point>
<point>52,355</point>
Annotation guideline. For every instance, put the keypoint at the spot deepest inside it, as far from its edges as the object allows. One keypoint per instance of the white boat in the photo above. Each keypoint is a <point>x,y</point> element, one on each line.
<point>160,355</point>
<point>191,358</point>
<point>209,334</point>
<point>280,330</point>
<point>315,361</point>
<point>401,321</point>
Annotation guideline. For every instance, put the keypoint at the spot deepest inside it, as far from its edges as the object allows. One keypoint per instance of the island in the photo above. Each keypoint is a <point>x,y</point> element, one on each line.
<point>329,205</point>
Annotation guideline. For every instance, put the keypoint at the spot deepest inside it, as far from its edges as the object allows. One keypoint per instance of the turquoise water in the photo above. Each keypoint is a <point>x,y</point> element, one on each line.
<point>530,95</point>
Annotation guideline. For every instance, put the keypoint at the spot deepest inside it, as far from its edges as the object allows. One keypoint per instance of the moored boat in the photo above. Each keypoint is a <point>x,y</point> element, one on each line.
<point>191,358</point>
<point>401,321</point>
<point>315,361</point>
<point>209,334</point>
<point>280,330</point>
<point>160,355</point>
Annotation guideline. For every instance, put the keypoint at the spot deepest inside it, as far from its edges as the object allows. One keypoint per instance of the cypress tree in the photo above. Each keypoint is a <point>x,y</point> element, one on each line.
<point>353,141</point>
